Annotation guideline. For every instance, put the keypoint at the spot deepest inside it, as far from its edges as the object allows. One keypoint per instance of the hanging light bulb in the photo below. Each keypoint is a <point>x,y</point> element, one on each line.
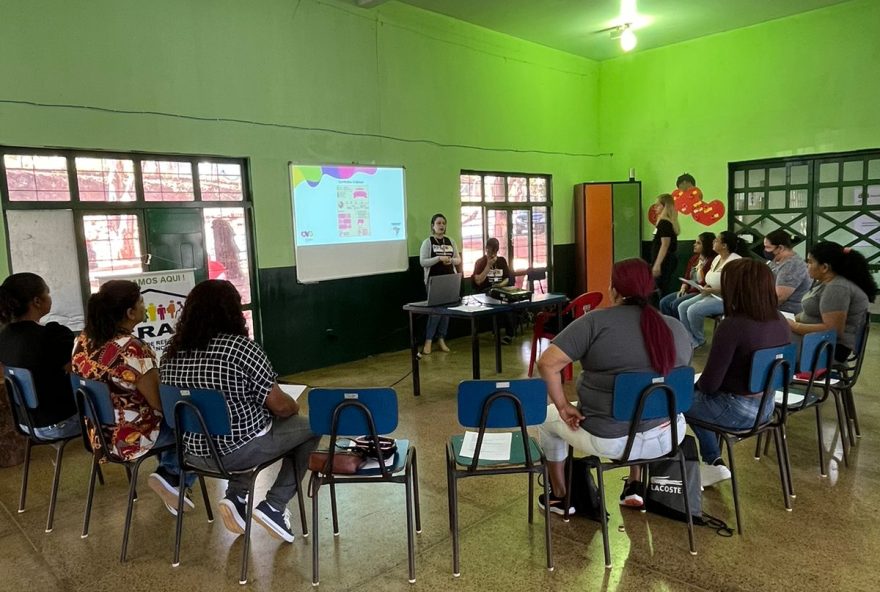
<point>628,39</point>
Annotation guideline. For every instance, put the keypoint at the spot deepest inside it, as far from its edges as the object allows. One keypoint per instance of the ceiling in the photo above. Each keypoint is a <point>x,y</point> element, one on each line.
<point>571,25</point>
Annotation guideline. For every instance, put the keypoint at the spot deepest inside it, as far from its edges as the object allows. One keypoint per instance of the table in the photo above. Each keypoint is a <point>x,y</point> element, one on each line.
<point>474,312</point>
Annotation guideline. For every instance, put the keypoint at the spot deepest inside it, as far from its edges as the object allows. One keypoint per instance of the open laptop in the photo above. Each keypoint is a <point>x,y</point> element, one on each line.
<point>442,290</point>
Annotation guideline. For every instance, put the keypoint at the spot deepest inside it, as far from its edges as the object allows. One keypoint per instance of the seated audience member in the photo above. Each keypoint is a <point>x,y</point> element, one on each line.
<point>790,271</point>
<point>697,267</point>
<point>491,271</point>
<point>106,351</point>
<point>42,349</point>
<point>628,336</point>
<point>694,311</point>
<point>211,349</point>
<point>839,299</point>
<point>722,397</point>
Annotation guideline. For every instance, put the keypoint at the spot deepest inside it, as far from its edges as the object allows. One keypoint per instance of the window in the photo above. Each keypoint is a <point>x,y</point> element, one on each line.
<point>515,209</point>
<point>90,215</point>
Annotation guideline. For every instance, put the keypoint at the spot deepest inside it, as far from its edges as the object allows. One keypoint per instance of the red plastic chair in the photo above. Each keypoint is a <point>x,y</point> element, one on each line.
<point>577,308</point>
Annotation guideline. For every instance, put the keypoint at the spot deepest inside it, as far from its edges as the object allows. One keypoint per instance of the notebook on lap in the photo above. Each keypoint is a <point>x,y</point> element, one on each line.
<point>442,290</point>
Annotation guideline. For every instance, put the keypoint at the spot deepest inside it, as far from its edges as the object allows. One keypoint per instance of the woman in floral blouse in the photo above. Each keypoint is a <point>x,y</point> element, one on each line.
<point>107,351</point>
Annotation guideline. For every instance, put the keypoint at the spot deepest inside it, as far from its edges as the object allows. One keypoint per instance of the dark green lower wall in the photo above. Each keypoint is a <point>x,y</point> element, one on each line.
<point>309,326</point>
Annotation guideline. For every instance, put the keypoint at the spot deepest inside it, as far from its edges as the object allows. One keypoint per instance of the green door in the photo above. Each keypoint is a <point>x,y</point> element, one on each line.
<point>175,240</point>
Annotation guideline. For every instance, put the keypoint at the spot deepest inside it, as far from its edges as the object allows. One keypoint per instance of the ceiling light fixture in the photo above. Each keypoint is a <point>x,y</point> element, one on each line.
<point>628,38</point>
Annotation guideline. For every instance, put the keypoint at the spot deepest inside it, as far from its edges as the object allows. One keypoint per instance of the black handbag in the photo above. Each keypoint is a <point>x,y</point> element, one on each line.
<point>367,447</point>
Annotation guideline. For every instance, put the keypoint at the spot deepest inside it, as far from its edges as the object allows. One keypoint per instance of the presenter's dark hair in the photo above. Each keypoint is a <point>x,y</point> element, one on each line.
<point>16,294</point>
<point>686,177</point>
<point>848,263</point>
<point>107,308</point>
<point>492,243</point>
<point>212,308</point>
<point>748,289</point>
<point>632,279</point>
<point>705,239</point>
<point>434,218</point>
<point>779,238</point>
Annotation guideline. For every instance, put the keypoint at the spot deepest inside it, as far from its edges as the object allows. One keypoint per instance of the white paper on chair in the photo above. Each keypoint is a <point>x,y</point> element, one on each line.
<point>495,446</point>
<point>292,390</point>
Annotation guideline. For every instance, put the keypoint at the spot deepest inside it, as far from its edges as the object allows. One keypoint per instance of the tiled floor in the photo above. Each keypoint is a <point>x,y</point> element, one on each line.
<point>829,541</point>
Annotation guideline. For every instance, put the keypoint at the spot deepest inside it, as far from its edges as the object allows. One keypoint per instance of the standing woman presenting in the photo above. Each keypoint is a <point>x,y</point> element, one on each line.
<point>438,256</point>
<point>665,243</point>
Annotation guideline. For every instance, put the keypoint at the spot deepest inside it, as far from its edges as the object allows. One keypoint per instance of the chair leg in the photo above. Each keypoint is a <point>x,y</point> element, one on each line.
<point>248,525</point>
<point>533,354</point>
<point>56,477</point>
<point>418,510</point>
<point>569,470</point>
<point>96,469</point>
<point>128,475</point>
<point>531,497</point>
<point>333,507</point>
<point>132,496</point>
<point>453,500</point>
<point>733,483</point>
<point>783,439</point>
<point>758,440</point>
<point>410,527</point>
<point>780,458</point>
<point>100,476</point>
<point>600,482</point>
<point>687,502</point>
<point>207,500</point>
<point>301,502</point>
<point>821,444</point>
<point>855,415</point>
<point>841,426</point>
<point>178,522</point>
<point>316,486</point>
<point>449,469</point>
<point>547,540</point>
<point>25,470</point>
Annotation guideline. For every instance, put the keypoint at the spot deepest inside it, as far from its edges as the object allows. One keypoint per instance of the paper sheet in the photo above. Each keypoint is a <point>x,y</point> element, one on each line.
<point>468,307</point>
<point>496,446</point>
<point>691,283</point>
<point>292,390</point>
<point>787,315</point>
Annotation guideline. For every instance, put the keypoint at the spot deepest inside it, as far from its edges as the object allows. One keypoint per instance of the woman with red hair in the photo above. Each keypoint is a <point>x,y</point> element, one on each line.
<point>629,336</point>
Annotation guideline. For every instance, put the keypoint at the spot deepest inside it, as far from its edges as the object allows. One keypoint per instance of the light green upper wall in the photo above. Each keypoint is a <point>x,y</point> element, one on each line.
<point>801,85</point>
<point>282,68</point>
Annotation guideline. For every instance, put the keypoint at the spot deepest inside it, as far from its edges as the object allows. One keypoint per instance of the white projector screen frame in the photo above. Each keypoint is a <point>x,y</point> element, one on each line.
<point>336,237</point>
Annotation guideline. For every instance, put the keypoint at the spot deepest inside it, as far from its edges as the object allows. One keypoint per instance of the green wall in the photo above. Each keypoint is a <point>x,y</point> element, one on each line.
<point>281,68</point>
<point>801,85</point>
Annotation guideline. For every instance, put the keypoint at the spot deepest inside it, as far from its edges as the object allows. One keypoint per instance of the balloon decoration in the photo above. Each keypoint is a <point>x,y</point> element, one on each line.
<point>691,203</point>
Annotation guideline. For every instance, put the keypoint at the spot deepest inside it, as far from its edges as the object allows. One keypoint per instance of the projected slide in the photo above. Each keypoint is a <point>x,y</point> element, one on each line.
<point>348,221</point>
<point>343,205</point>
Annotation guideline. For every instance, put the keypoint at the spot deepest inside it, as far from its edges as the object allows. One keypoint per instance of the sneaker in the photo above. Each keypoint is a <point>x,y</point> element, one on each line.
<point>172,509</point>
<point>426,349</point>
<point>631,496</point>
<point>166,486</point>
<point>557,505</point>
<point>441,343</point>
<point>506,340</point>
<point>277,522</point>
<point>714,473</point>
<point>232,511</point>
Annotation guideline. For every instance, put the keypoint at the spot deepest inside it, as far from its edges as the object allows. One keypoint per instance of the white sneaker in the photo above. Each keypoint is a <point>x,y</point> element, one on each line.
<point>712,474</point>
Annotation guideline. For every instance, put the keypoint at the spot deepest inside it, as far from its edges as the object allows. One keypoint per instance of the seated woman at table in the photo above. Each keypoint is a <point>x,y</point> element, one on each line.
<point>106,351</point>
<point>42,349</point>
<point>629,336</point>
<point>839,298</point>
<point>722,397</point>
<point>696,270</point>
<point>492,271</point>
<point>693,312</point>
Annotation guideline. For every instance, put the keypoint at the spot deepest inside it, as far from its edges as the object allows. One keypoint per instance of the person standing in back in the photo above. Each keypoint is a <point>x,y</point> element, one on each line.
<point>664,245</point>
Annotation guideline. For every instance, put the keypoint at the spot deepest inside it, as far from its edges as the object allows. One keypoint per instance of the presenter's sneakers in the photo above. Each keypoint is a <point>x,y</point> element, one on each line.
<point>277,522</point>
<point>232,510</point>
<point>714,473</point>
<point>166,486</point>
<point>426,349</point>
<point>557,505</point>
<point>631,496</point>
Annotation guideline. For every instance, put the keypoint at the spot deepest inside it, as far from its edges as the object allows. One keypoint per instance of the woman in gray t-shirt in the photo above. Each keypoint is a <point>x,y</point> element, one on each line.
<point>789,271</point>
<point>629,336</point>
<point>839,299</point>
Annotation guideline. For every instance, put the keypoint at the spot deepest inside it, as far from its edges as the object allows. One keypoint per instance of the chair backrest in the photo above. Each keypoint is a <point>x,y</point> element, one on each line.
<point>772,370</point>
<point>208,403</point>
<point>643,396</point>
<point>99,406</point>
<point>862,337</point>
<point>381,403</point>
<point>814,355</point>
<point>22,397</point>
<point>533,276</point>
<point>473,394</point>
<point>583,304</point>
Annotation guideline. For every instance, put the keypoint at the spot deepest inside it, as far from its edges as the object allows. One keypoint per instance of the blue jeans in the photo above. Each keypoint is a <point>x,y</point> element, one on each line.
<point>693,312</point>
<point>669,303</point>
<point>725,410</point>
<point>66,428</point>
<point>168,459</point>
<point>437,324</point>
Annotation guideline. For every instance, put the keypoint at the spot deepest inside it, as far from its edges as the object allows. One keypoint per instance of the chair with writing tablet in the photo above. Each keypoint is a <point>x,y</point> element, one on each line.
<point>511,405</point>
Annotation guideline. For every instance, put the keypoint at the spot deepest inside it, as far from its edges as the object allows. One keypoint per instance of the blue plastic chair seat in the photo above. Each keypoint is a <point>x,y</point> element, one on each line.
<point>398,465</point>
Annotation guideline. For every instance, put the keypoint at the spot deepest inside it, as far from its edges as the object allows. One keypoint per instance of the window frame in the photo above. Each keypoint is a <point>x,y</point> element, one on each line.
<point>138,207</point>
<point>509,207</point>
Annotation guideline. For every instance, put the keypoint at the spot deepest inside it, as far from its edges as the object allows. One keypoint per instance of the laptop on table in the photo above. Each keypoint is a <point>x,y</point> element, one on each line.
<point>443,290</point>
